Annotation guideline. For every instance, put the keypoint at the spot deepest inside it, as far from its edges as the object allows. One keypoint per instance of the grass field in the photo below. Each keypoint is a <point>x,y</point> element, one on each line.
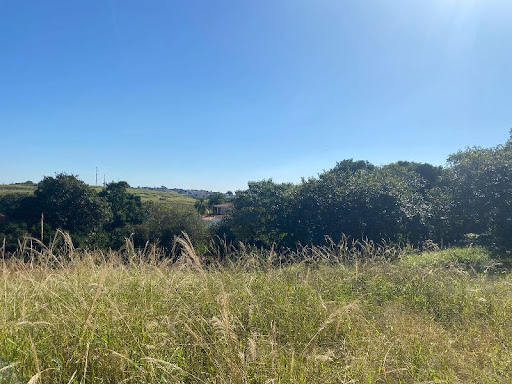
<point>162,197</point>
<point>17,188</point>
<point>423,318</point>
<point>145,194</point>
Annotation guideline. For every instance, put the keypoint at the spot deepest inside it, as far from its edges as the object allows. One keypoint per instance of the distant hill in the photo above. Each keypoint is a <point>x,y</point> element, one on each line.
<point>17,188</point>
<point>194,193</point>
<point>146,194</point>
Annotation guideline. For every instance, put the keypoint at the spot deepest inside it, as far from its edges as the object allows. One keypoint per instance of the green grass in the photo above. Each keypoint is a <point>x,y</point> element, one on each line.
<point>17,188</point>
<point>145,194</point>
<point>162,197</point>
<point>431,317</point>
<point>477,258</point>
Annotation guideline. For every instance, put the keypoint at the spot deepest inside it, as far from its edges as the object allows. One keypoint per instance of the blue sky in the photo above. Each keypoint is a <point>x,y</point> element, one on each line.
<point>212,94</point>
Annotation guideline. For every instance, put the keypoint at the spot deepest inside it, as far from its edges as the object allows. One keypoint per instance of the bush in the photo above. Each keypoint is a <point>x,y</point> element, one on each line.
<point>163,222</point>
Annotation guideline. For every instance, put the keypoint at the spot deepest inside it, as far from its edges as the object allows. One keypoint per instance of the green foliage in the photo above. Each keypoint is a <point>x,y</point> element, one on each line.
<point>11,232</point>
<point>469,201</point>
<point>70,204</point>
<point>19,207</point>
<point>482,191</point>
<point>470,258</point>
<point>403,202</point>
<point>23,218</point>
<point>163,222</point>
<point>430,175</point>
<point>216,198</point>
<point>126,207</point>
<point>145,194</point>
<point>360,202</point>
<point>354,198</point>
<point>260,213</point>
<point>99,217</point>
<point>201,205</point>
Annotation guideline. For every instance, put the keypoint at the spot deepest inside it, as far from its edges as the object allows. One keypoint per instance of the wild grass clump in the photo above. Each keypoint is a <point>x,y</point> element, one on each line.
<point>340,313</point>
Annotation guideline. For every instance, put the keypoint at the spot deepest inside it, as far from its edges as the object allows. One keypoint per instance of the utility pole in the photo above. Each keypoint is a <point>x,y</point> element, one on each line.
<point>96,176</point>
<point>104,183</point>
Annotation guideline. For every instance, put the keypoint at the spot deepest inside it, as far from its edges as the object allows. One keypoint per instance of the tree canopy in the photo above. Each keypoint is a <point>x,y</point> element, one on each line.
<point>405,202</point>
<point>70,204</point>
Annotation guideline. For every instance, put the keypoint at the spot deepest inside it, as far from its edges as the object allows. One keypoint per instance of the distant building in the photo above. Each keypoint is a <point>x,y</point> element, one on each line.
<point>210,220</point>
<point>222,209</point>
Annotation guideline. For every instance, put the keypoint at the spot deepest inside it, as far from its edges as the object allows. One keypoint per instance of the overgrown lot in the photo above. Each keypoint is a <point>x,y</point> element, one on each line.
<point>112,317</point>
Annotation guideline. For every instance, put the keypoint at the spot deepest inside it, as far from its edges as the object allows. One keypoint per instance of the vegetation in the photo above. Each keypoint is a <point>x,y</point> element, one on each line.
<point>24,188</point>
<point>155,196</point>
<point>205,206</point>
<point>201,205</point>
<point>146,195</point>
<point>162,223</point>
<point>216,198</point>
<point>347,312</point>
<point>297,300</point>
<point>470,200</point>
<point>95,219</point>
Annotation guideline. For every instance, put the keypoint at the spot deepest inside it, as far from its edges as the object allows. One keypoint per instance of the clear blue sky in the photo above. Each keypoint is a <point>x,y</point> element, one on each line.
<point>211,94</point>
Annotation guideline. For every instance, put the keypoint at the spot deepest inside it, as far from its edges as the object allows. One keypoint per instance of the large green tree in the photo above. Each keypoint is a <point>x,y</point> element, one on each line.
<point>261,213</point>
<point>354,198</point>
<point>70,204</point>
<point>360,200</point>
<point>482,189</point>
<point>126,207</point>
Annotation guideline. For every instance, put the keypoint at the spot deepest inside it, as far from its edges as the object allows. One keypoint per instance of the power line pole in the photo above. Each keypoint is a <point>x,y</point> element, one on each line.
<point>96,176</point>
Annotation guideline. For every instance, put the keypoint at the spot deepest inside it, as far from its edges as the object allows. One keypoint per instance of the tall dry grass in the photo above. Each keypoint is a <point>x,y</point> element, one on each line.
<point>349,313</point>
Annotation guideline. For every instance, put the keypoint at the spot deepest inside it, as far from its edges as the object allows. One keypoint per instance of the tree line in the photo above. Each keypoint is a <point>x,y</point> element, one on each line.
<point>468,200</point>
<point>94,220</point>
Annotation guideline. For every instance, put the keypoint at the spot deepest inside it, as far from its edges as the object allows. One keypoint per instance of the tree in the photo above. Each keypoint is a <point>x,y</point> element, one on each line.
<point>126,207</point>
<point>23,218</point>
<point>163,222</point>
<point>216,198</point>
<point>201,205</point>
<point>351,166</point>
<point>482,189</point>
<point>360,200</point>
<point>70,204</point>
<point>260,214</point>
<point>430,175</point>
<point>354,198</point>
<point>20,207</point>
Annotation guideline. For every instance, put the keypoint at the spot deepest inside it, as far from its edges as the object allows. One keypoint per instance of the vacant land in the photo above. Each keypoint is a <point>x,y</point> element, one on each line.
<point>162,197</point>
<point>437,317</point>
<point>17,188</point>
<point>145,194</point>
